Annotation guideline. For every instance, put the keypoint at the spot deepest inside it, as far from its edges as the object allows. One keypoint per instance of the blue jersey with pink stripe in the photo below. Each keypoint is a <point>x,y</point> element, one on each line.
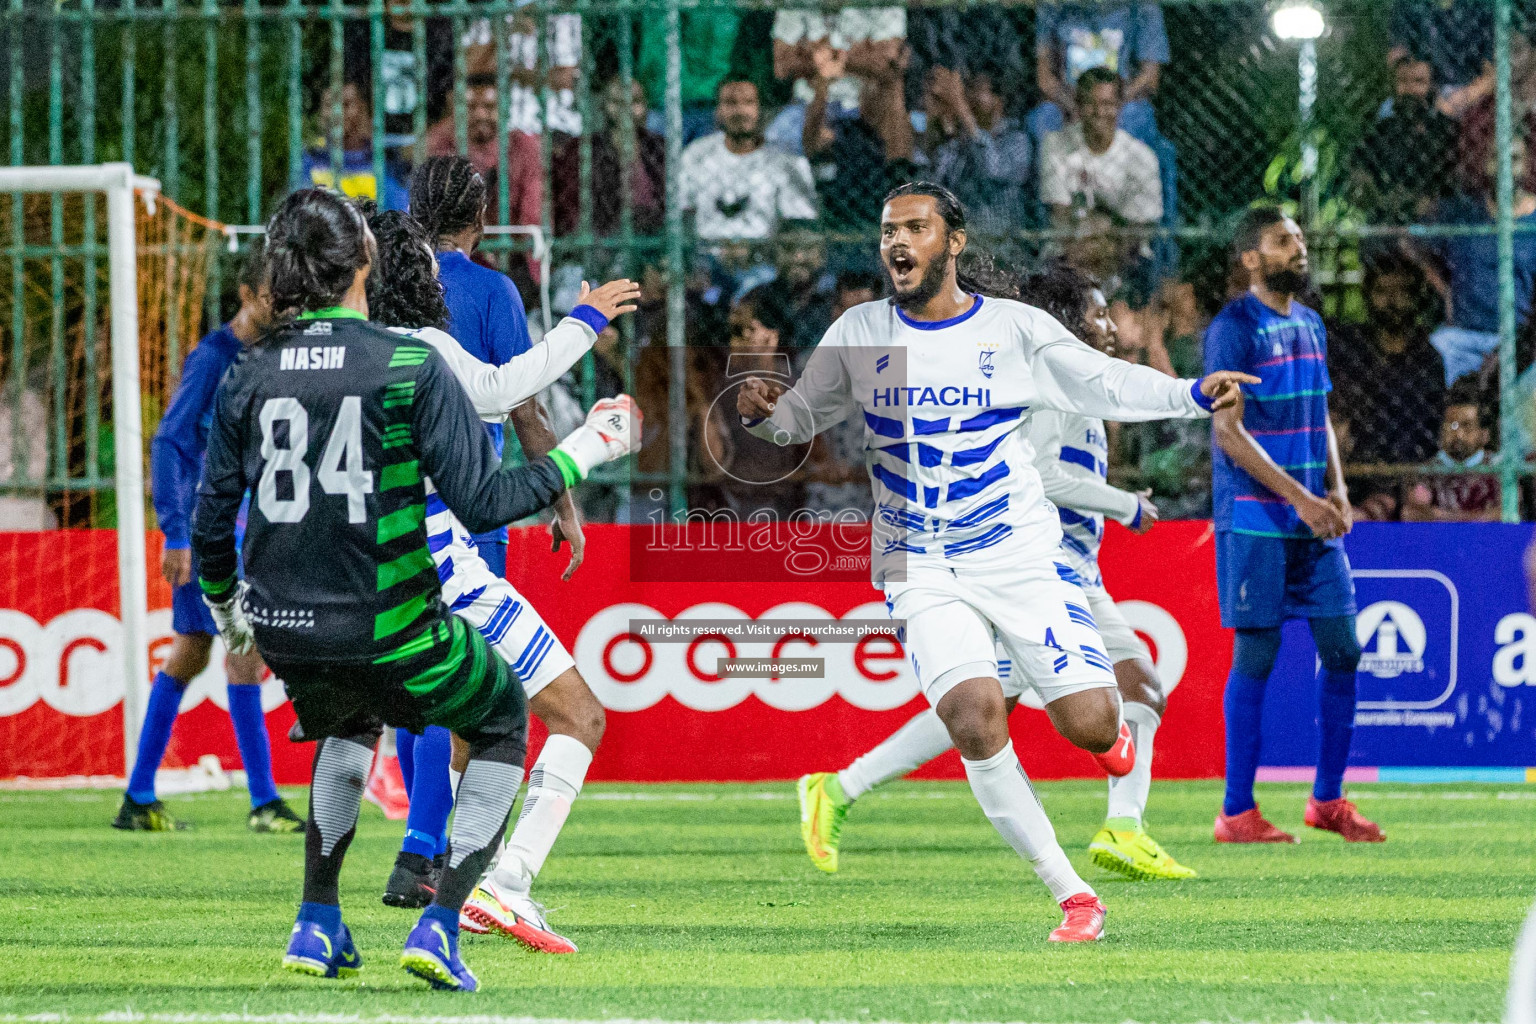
<point>1287,413</point>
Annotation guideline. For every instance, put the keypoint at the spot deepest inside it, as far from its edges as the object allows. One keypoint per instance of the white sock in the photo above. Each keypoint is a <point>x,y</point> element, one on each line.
<point>922,739</point>
<point>553,784</point>
<point>1009,801</point>
<point>1128,794</point>
<point>453,781</point>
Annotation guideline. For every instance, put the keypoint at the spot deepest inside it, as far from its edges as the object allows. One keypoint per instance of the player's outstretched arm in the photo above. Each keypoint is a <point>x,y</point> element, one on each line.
<point>1074,378</point>
<point>455,451</point>
<point>497,390</point>
<point>213,533</point>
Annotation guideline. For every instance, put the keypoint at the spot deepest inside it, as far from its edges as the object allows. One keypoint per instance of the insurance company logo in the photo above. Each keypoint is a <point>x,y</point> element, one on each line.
<point>1408,627</point>
<point>630,673</point>
<point>74,664</point>
<point>1392,638</point>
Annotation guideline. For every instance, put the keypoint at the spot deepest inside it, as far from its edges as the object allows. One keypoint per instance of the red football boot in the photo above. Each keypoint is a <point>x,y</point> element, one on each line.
<point>386,788</point>
<point>1120,758</point>
<point>1343,817</point>
<point>1084,921</point>
<point>1249,827</point>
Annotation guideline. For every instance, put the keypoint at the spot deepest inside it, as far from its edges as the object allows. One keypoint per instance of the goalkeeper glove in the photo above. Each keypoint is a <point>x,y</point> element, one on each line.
<point>229,616</point>
<point>611,432</point>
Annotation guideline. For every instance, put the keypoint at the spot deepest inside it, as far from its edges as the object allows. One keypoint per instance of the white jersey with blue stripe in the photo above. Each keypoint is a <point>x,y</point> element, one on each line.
<point>946,407</point>
<point>1072,458</point>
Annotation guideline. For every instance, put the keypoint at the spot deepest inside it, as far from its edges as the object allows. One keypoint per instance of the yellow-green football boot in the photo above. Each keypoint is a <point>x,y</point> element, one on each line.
<point>1134,854</point>
<point>822,810</point>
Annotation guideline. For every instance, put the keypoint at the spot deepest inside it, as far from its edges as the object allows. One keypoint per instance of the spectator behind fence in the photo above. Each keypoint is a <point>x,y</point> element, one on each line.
<point>1465,269</point>
<point>1479,127</point>
<point>799,294</point>
<point>358,179</point>
<point>524,165</point>
<point>1094,165</point>
<point>1127,40</point>
<point>978,151</point>
<point>1385,371</point>
<point>972,37</point>
<point>872,40</point>
<point>734,185</point>
<point>707,41</point>
<point>1463,497</point>
<point>1093,169</point>
<point>1407,159</point>
<point>647,172</point>
<point>856,158</point>
<point>562,56</point>
<point>397,68</point>
<point>1455,37</point>
<point>743,473</point>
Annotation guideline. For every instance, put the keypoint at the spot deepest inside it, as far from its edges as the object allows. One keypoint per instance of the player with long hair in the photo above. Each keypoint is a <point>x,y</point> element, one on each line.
<point>404,293</point>
<point>1071,456</point>
<point>965,545</point>
<point>334,425</point>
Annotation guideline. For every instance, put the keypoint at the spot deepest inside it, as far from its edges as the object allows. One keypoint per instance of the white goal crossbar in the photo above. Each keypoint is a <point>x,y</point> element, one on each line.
<point>119,183</point>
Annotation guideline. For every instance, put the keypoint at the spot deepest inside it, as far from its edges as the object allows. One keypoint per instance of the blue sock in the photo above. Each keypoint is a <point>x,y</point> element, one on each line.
<point>251,736</point>
<point>1243,706</point>
<point>405,750</point>
<point>448,918</point>
<point>442,843</point>
<point>326,915</point>
<point>431,792</point>
<point>154,736</point>
<point>1335,729</point>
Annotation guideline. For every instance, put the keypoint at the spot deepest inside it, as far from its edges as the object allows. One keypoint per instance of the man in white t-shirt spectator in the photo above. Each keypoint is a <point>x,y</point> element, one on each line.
<point>737,187</point>
<point>1093,165</point>
<point>872,39</point>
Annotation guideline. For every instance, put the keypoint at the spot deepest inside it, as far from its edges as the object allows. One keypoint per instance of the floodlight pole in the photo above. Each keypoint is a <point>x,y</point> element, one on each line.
<point>1306,68</point>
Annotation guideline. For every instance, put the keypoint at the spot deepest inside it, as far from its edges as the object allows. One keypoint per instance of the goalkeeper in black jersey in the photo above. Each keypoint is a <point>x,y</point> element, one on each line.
<point>332,422</point>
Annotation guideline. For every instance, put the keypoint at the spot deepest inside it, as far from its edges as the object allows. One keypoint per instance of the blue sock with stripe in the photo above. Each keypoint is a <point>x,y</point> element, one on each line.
<point>1243,707</point>
<point>431,792</point>
<point>154,736</point>
<point>251,736</point>
<point>1335,730</point>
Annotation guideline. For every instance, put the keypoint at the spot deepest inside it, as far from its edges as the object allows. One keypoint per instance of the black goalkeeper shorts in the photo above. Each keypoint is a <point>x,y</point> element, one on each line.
<point>448,677</point>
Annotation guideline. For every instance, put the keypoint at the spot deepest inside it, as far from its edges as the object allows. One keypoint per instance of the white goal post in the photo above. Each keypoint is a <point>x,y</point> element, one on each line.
<point>118,182</point>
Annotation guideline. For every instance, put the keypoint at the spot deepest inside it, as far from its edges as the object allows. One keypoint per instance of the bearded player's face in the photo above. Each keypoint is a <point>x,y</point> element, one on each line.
<point>916,247</point>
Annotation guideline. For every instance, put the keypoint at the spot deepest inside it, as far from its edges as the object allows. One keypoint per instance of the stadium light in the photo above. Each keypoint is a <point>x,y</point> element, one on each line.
<point>1298,20</point>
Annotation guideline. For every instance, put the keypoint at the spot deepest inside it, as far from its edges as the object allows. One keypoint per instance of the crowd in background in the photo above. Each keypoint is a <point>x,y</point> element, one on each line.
<point>796,122</point>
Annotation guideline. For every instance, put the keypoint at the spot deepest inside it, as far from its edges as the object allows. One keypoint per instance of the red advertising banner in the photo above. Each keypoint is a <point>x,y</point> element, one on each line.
<point>671,717</point>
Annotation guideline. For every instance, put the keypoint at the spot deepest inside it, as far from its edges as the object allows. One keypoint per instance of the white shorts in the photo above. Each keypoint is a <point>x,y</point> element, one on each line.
<point>509,624</point>
<point>1035,612</point>
<point>1120,642</point>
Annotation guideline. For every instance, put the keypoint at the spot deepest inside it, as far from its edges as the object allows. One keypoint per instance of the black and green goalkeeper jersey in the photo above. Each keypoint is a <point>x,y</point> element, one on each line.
<point>332,423</point>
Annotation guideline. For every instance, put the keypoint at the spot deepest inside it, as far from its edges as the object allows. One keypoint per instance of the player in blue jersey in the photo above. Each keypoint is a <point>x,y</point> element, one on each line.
<point>176,462</point>
<point>1281,513</point>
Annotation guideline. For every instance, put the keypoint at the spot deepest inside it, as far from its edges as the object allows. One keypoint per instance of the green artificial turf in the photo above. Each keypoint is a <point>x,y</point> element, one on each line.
<point>698,903</point>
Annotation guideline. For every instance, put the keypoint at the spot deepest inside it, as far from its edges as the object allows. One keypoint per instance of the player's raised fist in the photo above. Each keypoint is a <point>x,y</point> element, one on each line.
<point>611,432</point>
<point>612,299</point>
<point>1224,387</point>
<point>757,397</point>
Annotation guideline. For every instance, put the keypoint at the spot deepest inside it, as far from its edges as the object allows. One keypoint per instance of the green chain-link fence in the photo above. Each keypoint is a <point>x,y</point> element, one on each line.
<point>732,157</point>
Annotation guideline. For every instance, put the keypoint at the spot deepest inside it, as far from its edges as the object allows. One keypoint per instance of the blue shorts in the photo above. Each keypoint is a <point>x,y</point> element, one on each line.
<point>1262,581</point>
<point>492,547</point>
<point>188,613</point>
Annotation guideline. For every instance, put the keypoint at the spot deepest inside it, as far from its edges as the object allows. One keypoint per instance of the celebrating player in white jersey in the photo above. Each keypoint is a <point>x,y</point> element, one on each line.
<point>965,544</point>
<point>1071,455</point>
<point>404,293</point>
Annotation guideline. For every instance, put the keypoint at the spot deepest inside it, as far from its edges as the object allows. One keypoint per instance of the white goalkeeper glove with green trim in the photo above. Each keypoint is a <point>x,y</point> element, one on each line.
<point>229,616</point>
<point>611,432</point>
